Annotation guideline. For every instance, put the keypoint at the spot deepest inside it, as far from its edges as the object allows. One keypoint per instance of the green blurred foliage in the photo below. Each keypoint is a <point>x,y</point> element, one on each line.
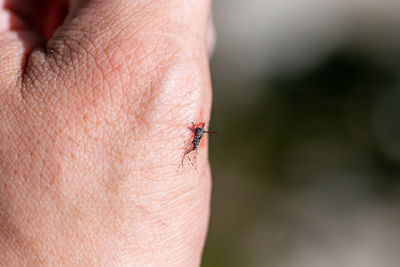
<point>315,130</point>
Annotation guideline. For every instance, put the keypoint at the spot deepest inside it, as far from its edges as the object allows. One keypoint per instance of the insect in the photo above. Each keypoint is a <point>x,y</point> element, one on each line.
<point>198,131</point>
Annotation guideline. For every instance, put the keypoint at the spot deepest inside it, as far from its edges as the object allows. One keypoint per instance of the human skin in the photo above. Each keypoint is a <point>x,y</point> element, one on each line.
<point>93,125</point>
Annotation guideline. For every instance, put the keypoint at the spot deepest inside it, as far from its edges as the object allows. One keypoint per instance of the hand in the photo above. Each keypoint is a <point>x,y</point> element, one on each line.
<point>93,125</point>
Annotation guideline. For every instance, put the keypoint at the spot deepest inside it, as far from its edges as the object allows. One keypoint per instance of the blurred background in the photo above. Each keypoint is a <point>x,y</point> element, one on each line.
<point>306,166</point>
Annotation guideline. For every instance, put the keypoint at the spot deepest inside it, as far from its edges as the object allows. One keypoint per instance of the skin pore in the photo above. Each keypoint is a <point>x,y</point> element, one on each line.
<point>96,97</point>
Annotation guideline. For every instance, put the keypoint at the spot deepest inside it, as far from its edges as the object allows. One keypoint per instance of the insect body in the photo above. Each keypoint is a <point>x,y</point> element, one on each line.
<point>198,131</point>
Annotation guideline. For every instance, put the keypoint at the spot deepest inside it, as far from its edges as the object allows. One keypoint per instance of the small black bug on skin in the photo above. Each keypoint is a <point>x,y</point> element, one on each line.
<point>198,131</point>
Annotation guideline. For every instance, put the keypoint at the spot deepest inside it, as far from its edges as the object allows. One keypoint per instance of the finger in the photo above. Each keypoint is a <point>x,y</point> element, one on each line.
<point>24,25</point>
<point>16,40</point>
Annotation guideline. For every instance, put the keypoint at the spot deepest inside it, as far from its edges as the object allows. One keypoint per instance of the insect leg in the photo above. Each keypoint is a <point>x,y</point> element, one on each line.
<point>191,162</point>
<point>187,151</point>
<point>195,156</point>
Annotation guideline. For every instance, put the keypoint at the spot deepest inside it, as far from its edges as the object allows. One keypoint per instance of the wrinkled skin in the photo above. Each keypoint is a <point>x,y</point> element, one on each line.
<point>93,125</point>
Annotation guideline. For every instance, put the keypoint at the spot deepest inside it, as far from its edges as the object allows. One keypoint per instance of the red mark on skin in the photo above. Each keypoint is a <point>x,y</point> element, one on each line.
<point>198,131</point>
